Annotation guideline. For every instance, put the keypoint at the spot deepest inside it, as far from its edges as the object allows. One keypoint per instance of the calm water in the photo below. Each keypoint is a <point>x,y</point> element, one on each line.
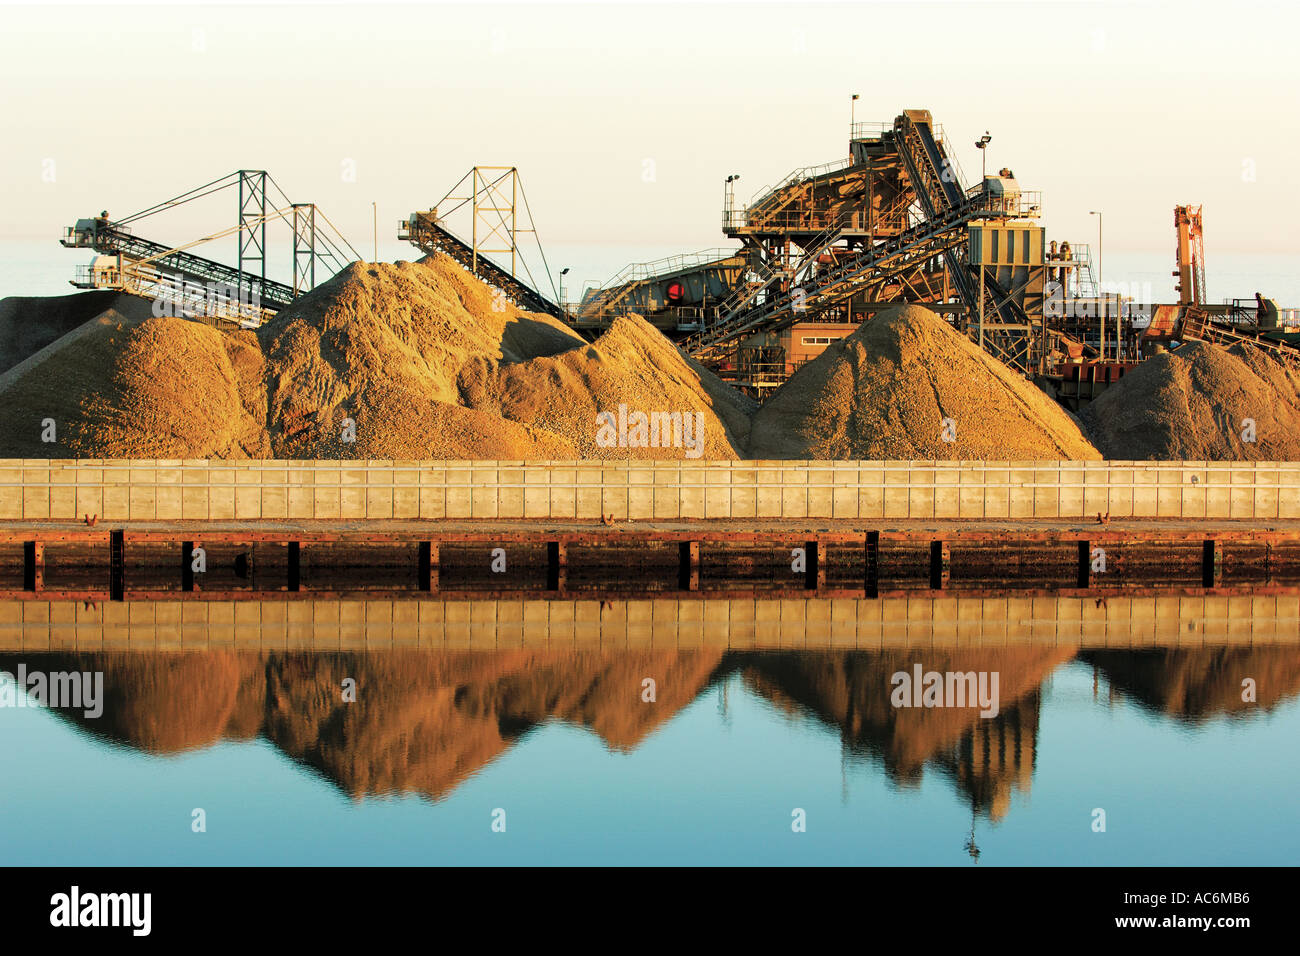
<point>587,772</point>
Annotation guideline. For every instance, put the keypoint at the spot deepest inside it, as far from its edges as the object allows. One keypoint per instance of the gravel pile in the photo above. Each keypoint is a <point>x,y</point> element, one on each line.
<point>1197,403</point>
<point>906,385</point>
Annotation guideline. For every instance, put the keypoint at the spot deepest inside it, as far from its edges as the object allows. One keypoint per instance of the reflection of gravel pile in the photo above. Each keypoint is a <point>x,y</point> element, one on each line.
<point>884,391</point>
<point>1191,404</point>
<point>1202,683</point>
<point>422,721</point>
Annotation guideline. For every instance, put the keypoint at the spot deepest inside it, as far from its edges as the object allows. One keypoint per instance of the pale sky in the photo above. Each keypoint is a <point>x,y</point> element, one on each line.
<point>1125,107</point>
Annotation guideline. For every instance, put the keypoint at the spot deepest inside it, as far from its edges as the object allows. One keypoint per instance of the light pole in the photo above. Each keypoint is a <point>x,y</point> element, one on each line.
<point>728,195</point>
<point>982,144</point>
<point>563,272</point>
<point>853,114</point>
<point>1100,289</point>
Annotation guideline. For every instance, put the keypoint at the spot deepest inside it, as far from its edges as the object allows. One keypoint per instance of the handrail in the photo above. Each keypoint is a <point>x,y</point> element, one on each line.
<point>640,271</point>
<point>802,174</point>
<point>870,129</point>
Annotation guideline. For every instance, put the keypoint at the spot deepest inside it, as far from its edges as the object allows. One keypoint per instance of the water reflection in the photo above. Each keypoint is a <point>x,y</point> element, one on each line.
<point>424,721</point>
<point>1194,686</point>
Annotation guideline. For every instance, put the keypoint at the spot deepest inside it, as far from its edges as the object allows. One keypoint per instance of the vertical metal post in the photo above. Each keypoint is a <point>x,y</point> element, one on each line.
<point>1211,563</point>
<point>872,583</point>
<point>295,566</point>
<point>304,247</point>
<point>556,566</point>
<point>313,245</point>
<point>252,226</point>
<point>33,565</point>
<point>116,565</point>
<point>688,565</point>
<point>474,232</point>
<point>1083,576</point>
<point>424,561</point>
<point>939,565</point>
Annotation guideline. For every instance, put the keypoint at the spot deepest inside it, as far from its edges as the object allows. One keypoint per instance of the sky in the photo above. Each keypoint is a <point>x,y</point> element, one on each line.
<point>624,119</point>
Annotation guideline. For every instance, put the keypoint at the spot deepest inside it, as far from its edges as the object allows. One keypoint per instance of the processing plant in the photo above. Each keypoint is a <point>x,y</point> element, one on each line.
<point>895,222</point>
<point>822,250</point>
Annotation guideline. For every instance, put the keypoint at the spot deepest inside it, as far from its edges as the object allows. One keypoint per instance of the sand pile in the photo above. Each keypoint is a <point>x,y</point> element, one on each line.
<point>430,364</point>
<point>158,388</point>
<point>631,365</point>
<point>1192,404</point>
<point>382,344</point>
<point>884,393</point>
<point>424,359</point>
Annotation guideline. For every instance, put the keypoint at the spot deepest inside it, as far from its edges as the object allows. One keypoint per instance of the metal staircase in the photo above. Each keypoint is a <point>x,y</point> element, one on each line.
<point>767,276</point>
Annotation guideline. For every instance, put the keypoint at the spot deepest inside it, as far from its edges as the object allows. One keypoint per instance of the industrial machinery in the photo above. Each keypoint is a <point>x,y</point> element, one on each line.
<point>829,245</point>
<point>493,197</point>
<point>1190,256</point>
<point>676,294</point>
<point>192,285</point>
<point>1258,320</point>
<point>1077,373</point>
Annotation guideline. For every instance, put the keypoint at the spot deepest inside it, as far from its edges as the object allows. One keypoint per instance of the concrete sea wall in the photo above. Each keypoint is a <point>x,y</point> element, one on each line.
<point>211,490</point>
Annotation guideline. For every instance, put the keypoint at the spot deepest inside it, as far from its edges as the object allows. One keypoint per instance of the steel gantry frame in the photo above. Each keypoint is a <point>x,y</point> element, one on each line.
<point>304,247</point>
<point>252,225</point>
<point>143,265</point>
<point>503,196</point>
